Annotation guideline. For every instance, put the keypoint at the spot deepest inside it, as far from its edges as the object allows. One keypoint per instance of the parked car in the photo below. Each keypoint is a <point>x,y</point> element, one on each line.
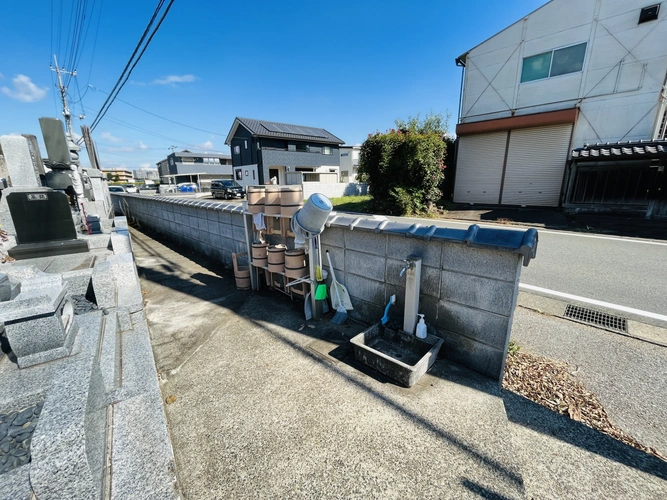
<point>187,187</point>
<point>227,188</point>
<point>130,188</point>
<point>117,189</point>
<point>148,188</point>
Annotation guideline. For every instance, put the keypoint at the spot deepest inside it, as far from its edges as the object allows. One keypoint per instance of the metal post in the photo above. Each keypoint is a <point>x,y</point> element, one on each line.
<point>312,265</point>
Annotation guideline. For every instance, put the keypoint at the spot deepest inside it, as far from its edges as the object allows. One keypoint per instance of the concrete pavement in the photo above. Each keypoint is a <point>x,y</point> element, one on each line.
<point>264,410</point>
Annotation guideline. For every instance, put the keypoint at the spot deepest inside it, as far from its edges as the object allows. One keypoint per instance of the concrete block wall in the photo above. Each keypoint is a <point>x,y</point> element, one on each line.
<point>212,229</point>
<point>469,282</point>
<point>467,294</point>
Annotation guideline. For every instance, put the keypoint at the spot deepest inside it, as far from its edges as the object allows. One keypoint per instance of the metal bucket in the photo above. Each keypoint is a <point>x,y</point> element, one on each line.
<point>313,215</point>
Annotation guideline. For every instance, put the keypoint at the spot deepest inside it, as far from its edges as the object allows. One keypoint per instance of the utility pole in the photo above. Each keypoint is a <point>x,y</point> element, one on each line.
<point>63,96</point>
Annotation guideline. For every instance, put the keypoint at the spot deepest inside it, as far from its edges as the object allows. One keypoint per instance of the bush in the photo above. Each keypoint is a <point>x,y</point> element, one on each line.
<point>404,167</point>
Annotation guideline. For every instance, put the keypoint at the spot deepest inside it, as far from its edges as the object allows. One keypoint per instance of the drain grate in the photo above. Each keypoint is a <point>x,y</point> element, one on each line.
<point>597,318</point>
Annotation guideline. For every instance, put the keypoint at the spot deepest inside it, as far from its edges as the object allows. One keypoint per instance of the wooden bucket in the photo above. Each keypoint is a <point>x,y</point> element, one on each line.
<point>276,257</point>
<point>259,254</point>
<point>291,200</point>
<point>241,273</point>
<point>295,263</point>
<point>256,195</point>
<point>272,200</point>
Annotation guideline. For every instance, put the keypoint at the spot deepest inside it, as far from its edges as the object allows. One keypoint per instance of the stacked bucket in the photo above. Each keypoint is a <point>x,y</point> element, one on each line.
<point>275,200</point>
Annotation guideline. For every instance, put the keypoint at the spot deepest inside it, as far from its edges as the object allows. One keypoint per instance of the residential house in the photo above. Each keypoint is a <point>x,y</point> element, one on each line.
<point>263,150</point>
<point>199,167</point>
<point>570,74</point>
<point>349,163</point>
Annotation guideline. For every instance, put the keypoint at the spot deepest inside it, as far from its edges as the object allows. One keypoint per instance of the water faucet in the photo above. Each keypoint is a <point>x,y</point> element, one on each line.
<point>408,265</point>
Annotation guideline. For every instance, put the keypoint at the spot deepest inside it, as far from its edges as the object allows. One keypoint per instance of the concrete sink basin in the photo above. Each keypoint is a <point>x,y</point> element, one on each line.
<point>402,357</point>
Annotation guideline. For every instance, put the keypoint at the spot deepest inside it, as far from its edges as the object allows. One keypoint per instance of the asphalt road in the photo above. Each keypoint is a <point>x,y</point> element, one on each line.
<point>626,272</point>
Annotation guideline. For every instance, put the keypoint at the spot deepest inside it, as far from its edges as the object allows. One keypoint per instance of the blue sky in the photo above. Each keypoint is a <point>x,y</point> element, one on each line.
<point>351,67</point>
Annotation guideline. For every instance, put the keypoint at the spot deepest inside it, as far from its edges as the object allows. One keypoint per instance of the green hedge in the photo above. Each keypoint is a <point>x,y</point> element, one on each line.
<point>404,168</point>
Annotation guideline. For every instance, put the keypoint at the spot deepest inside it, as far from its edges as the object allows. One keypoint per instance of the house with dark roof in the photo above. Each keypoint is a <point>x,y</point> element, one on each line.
<point>262,150</point>
<point>569,74</point>
<point>199,167</point>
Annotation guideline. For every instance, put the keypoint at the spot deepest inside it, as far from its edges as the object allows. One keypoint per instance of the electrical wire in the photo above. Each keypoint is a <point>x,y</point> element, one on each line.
<point>119,82</point>
<point>171,2</point>
<point>131,126</point>
<point>158,116</point>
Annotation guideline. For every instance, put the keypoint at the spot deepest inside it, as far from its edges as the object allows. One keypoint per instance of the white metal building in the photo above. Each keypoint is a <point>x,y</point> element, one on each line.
<point>570,73</point>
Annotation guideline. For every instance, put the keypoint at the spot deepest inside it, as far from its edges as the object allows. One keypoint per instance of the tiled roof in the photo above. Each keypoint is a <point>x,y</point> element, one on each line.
<point>190,154</point>
<point>264,128</point>
<point>621,151</point>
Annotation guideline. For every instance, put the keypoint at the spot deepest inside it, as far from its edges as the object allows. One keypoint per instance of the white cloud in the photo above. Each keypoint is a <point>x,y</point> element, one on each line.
<point>145,166</point>
<point>107,136</point>
<point>142,145</point>
<point>173,79</point>
<point>24,90</point>
<point>122,149</point>
<point>206,145</point>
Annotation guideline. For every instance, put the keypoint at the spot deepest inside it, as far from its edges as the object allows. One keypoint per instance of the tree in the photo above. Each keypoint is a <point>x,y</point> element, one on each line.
<point>109,176</point>
<point>116,178</point>
<point>404,167</point>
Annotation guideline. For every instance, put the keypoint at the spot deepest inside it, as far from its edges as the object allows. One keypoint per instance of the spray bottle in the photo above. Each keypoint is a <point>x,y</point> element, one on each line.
<point>421,328</point>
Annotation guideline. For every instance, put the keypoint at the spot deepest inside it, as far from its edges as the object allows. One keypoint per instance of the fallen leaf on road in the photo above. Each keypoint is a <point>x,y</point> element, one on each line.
<point>551,384</point>
<point>170,399</point>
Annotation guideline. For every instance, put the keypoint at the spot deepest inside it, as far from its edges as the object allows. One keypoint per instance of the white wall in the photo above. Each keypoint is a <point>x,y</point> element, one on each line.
<point>333,190</point>
<point>617,91</point>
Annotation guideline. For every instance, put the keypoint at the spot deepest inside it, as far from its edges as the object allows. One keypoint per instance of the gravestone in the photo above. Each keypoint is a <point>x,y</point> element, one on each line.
<point>56,143</point>
<point>39,323</point>
<point>19,161</point>
<point>43,224</point>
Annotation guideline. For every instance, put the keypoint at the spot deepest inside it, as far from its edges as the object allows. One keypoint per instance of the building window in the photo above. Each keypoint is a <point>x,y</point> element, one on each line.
<point>302,147</point>
<point>186,160</point>
<point>326,150</point>
<point>237,150</point>
<point>554,63</point>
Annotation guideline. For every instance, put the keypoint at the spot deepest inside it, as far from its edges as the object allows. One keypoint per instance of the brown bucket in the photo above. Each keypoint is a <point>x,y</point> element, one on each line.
<point>295,263</point>
<point>291,200</point>
<point>241,272</point>
<point>256,197</point>
<point>272,200</point>
<point>277,258</point>
<point>259,254</point>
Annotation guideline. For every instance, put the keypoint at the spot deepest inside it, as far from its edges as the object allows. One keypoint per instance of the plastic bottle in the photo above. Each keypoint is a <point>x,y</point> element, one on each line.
<point>421,328</point>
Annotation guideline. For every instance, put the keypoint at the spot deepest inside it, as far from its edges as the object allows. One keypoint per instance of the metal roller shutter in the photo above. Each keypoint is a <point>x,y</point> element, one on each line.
<point>480,167</point>
<point>535,164</point>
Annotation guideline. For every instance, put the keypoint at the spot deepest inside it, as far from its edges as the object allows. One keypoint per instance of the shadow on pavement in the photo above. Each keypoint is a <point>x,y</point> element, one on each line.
<point>334,343</point>
<point>528,414</point>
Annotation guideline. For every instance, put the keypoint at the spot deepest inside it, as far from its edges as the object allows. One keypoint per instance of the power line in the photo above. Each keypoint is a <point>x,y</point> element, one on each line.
<point>122,123</point>
<point>127,71</point>
<point>158,116</point>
